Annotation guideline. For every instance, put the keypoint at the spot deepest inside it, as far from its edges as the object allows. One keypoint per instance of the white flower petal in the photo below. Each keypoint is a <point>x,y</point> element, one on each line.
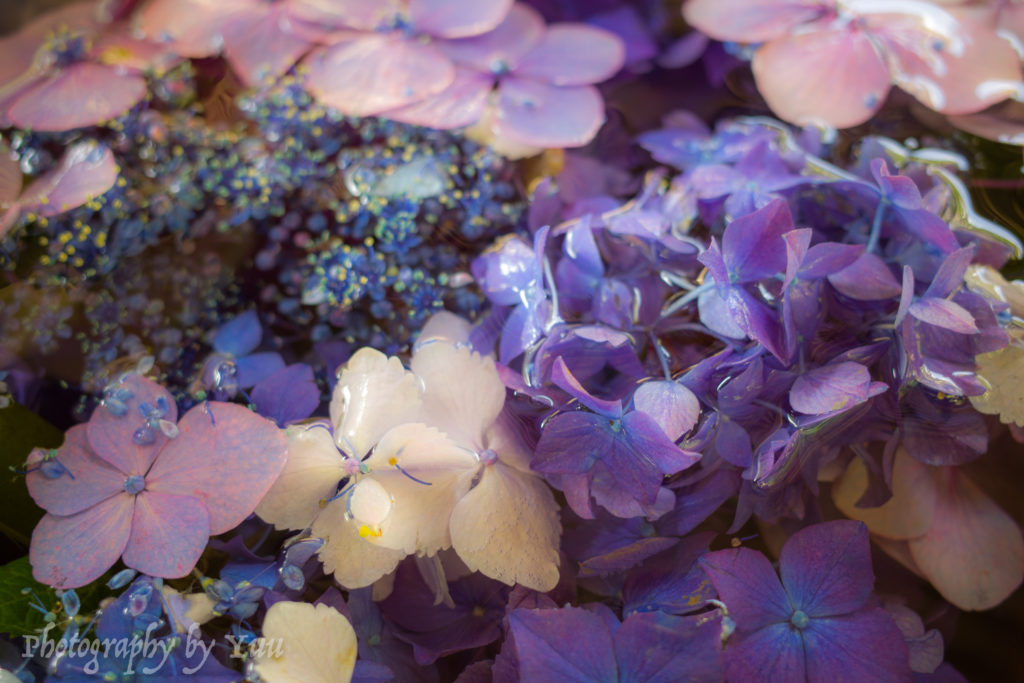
<point>317,644</point>
<point>311,474</point>
<point>354,561</point>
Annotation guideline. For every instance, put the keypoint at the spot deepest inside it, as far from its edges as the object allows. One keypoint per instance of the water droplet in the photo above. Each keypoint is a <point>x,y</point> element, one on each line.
<point>292,577</point>
<point>121,579</point>
<point>143,436</point>
<point>69,599</point>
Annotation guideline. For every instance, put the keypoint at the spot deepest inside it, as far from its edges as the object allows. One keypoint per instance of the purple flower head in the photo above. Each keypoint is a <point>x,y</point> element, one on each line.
<point>817,623</point>
<point>234,365</point>
<point>135,485</point>
<point>589,643</point>
<point>634,449</point>
<point>524,84</point>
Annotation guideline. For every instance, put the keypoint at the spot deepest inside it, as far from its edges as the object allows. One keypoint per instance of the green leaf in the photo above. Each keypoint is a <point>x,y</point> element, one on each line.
<point>18,617</point>
<point>21,430</point>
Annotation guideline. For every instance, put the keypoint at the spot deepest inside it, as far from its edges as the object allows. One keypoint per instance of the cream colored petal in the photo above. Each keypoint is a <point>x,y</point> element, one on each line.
<point>508,528</point>
<point>1003,371</point>
<point>353,560</point>
<point>987,281</point>
<point>426,475</point>
<point>907,514</point>
<point>445,326</point>
<point>312,644</point>
<point>311,474</point>
<point>374,393</point>
<point>463,393</point>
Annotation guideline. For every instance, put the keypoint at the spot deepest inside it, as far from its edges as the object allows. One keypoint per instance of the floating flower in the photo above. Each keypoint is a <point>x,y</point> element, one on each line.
<point>135,485</point>
<point>817,622</point>
<point>834,62</point>
<point>395,59</point>
<point>524,85</point>
<point>307,644</point>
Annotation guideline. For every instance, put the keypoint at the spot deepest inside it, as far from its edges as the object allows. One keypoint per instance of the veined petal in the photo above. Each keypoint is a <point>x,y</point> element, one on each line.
<point>226,456</point>
<point>68,552</point>
<point>507,527</point>
<point>749,587</point>
<point>310,476</point>
<point>834,648</point>
<point>79,95</point>
<point>110,435</point>
<point>826,568</point>
<point>262,47</point>
<point>88,479</point>
<point>169,534</point>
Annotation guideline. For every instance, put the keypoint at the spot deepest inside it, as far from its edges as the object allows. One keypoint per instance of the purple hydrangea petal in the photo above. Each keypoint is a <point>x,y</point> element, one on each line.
<point>670,404</point>
<point>773,653</point>
<point>866,279</point>
<point>657,648</point>
<point>68,552</point>
<point>562,378</point>
<point>536,114</point>
<point>457,18</point>
<point>169,533</point>
<point>570,644</point>
<point>749,587</point>
<point>945,314</point>
<point>826,568</point>
<point>257,367</point>
<point>224,455</point>
<point>88,479</point>
<point>671,581</point>
<point>573,54</point>
<point>752,245</point>
<point>835,648</point>
<point>830,388</point>
<point>290,394</point>
<point>502,48</point>
<point>239,336</point>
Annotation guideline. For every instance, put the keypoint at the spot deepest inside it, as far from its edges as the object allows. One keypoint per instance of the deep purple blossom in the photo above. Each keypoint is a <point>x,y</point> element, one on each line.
<point>818,623</point>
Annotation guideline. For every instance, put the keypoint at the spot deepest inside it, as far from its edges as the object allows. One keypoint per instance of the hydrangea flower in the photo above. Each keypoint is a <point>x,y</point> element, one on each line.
<point>394,59</point>
<point>311,644</point>
<point>524,85</point>
<point>834,62</point>
<point>134,485</point>
<point>817,623</point>
<point>234,363</point>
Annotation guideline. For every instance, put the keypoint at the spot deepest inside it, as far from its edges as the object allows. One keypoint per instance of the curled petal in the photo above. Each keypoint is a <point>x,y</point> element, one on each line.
<point>86,171</point>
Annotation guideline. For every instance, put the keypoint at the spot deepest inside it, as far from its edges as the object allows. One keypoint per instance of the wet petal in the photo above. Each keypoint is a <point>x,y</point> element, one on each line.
<point>310,476</point>
<point>354,561</point>
<point>460,104</point>
<point>90,481</point>
<point>374,393</point>
<point>973,552</point>
<point>502,48</point>
<point>507,527</point>
<point>830,388</point>
<point>68,552</point>
<point>829,76</point>
<point>372,73</point>
<point>80,95</point>
<point>110,435</point>
<point>573,54</point>
<point>86,171</point>
<point>670,404</point>
<point>226,456</point>
<point>168,535</point>
<point>945,314</point>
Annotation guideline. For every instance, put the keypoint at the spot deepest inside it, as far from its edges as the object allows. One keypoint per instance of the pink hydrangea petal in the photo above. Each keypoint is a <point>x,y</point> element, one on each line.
<point>92,480</point>
<point>226,456</point>
<point>194,27</point>
<point>121,49</point>
<point>522,29</point>
<point>86,171</point>
<point>80,95</point>
<point>973,553</point>
<point>19,49</point>
<point>365,15</point>
<point>832,76</point>
<point>460,104</point>
<point>457,18</point>
<point>1001,123</point>
<point>973,68</point>
<point>168,534</point>
<point>372,73</point>
<point>752,21</point>
<point>110,435</point>
<point>68,552</point>
<point>262,46</point>
<point>541,115</point>
<point>574,54</point>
